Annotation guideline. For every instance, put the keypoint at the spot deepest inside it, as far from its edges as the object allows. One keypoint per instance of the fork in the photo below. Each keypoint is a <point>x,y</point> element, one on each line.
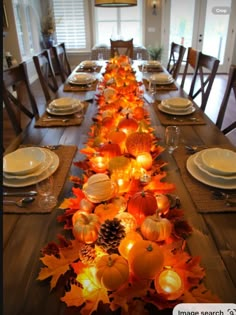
<point>217,194</point>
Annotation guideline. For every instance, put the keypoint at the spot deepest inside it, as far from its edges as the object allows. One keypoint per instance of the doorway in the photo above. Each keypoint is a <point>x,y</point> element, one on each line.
<point>205,25</point>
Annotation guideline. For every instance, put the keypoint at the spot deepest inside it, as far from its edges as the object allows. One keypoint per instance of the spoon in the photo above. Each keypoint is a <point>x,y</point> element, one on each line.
<point>216,194</point>
<point>21,202</point>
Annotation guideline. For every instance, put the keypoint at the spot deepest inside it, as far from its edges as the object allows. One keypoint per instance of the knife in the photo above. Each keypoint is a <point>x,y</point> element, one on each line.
<point>20,193</point>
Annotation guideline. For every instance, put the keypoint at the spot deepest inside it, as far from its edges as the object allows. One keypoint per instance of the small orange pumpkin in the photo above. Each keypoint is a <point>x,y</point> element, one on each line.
<point>142,204</point>
<point>128,124</point>
<point>144,159</point>
<point>146,259</point>
<point>106,211</point>
<point>85,227</point>
<point>110,150</point>
<point>128,242</point>
<point>138,112</point>
<point>155,228</point>
<point>138,142</point>
<point>112,271</point>
<point>117,136</point>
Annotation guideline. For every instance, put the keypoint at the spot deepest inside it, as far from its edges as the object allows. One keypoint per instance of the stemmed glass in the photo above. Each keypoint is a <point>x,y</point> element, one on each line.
<point>172,134</point>
<point>45,189</point>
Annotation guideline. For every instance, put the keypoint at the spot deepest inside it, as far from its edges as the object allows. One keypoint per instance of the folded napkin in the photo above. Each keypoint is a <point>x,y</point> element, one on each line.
<point>200,193</point>
<point>68,87</point>
<point>196,118</point>
<point>66,155</point>
<point>73,120</point>
<point>165,87</point>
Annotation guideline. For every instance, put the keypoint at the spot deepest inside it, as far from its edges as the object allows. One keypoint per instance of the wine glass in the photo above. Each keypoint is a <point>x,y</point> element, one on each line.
<point>172,134</point>
<point>45,189</point>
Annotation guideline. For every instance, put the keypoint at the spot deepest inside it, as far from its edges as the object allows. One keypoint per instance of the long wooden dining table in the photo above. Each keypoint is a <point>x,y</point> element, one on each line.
<point>24,234</point>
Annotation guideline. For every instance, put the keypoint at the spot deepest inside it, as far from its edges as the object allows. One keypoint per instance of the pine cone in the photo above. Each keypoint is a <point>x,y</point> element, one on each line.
<point>87,254</point>
<point>110,234</point>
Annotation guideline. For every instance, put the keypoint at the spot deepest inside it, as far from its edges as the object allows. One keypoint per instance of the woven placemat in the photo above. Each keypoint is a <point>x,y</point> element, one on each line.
<point>200,193</point>
<point>195,118</point>
<point>167,87</point>
<point>66,155</point>
<point>79,88</point>
<point>57,121</point>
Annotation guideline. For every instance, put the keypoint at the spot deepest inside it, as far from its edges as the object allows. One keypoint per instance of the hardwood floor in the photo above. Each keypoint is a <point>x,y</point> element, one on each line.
<point>212,109</point>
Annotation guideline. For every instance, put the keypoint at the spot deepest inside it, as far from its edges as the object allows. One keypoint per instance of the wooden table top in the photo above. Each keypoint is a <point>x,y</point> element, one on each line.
<point>213,237</point>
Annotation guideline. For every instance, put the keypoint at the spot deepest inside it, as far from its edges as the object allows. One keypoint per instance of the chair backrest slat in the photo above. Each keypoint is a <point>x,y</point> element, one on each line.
<point>18,96</point>
<point>46,74</point>
<point>122,47</point>
<point>203,78</point>
<point>62,61</point>
<point>175,60</point>
<point>231,86</point>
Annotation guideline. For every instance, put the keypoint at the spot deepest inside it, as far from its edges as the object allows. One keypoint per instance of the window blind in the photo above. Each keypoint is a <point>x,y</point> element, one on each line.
<point>70,19</point>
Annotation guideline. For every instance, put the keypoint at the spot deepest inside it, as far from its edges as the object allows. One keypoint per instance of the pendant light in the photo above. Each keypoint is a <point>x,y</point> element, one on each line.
<point>115,3</point>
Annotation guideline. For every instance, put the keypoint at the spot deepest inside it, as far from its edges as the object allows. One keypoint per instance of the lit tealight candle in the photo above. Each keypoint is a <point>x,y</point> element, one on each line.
<point>99,164</point>
<point>169,283</point>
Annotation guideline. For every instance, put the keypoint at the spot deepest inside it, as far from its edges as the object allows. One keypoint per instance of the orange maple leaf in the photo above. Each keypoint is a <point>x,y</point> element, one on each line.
<point>58,266</point>
<point>74,297</point>
<point>158,186</point>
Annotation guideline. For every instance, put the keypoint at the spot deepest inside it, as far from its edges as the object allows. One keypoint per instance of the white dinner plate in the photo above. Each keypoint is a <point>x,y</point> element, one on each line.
<point>82,78</point>
<point>23,160</point>
<point>198,161</point>
<point>161,78</point>
<point>176,109</point>
<point>177,102</point>
<point>205,178</point>
<point>220,161</point>
<point>68,112</point>
<point>88,64</point>
<point>63,103</point>
<point>43,167</point>
<point>170,111</point>
<point>33,180</point>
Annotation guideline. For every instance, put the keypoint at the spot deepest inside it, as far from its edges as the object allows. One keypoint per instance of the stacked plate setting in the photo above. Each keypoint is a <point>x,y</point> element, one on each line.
<point>161,78</point>
<point>215,167</point>
<point>27,166</point>
<point>153,64</point>
<point>82,78</point>
<point>88,64</point>
<point>64,106</point>
<point>177,106</point>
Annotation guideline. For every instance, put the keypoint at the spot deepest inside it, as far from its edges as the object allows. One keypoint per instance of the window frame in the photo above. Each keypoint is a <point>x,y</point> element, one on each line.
<point>87,31</point>
<point>119,21</point>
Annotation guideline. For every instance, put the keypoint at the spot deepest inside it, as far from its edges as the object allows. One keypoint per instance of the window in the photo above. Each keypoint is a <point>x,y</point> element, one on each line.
<point>27,28</point>
<point>71,23</point>
<point>119,23</point>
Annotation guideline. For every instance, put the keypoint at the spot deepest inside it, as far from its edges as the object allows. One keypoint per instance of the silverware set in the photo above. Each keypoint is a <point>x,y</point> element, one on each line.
<point>174,118</point>
<point>27,198</point>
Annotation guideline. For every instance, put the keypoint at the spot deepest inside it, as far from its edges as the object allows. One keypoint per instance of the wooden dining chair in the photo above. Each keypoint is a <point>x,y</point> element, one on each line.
<point>18,97</point>
<point>175,59</point>
<point>230,87</point>
<point>62,62</point>
<point>190,65</point>
<point>203,78</point>
<point>46,74</point>
<point>122,47</point>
